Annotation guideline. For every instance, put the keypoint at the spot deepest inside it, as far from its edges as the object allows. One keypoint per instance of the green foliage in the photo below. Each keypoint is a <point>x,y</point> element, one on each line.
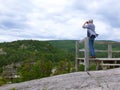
<point>43,68</point>
<point>81,68</point>
<point>1,69</point>
<point>67,45</point>
<point>64,66</point>
<point>13,89</point>
<point>19,51</point>
<point>34,70</point>
<point>92,67</point>
<point>38,58</point>
<point>3,81</point>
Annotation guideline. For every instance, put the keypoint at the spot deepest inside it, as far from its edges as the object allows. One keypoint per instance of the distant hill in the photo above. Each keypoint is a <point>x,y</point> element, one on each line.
<point>21,50</point>
<point>55,50</point>
<point>68,45</point>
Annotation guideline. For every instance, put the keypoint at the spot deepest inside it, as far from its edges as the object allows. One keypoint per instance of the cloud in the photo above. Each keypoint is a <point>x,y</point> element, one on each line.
<point>57,19</point>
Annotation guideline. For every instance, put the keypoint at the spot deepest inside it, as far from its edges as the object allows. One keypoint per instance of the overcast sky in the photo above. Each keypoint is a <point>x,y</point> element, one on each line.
<point>58,19</point>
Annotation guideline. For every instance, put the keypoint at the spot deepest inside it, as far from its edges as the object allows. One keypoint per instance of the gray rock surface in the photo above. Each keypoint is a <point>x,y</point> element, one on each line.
<point>91,80</point>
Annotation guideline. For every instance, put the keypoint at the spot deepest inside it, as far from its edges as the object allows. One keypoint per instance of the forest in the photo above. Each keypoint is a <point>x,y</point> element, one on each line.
<point>25,60</point>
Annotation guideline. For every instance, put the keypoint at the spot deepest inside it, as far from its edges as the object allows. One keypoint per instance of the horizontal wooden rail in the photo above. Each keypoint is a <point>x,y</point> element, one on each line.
<point>83,50</point>
<point>110,64</point>
<point>102,59</point>
<point>97,42</point>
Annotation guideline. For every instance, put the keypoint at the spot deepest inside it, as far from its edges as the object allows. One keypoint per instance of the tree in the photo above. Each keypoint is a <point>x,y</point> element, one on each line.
<point>34,70</point>
<point>64,66</point>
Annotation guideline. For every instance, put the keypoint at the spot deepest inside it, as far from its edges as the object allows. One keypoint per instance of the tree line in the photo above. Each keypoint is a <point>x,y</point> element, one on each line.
<point>25,60</point>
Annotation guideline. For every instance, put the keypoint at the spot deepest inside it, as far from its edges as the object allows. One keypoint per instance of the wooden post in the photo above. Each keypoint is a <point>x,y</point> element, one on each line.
<point>109,50</point>
<point>76,58</point>
<point>86,60</point>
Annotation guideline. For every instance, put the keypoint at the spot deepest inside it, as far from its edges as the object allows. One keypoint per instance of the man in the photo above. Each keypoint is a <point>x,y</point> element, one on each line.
<point>92,35</point>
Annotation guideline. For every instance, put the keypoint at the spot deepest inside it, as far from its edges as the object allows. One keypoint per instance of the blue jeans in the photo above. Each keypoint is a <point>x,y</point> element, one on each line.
<point>91,45</point>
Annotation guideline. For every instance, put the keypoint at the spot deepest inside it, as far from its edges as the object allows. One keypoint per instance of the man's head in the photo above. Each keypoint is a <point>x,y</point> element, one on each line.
<point>90,21</point>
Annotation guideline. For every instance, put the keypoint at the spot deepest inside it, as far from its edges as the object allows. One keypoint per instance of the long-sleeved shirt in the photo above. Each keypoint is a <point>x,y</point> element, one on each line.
<point>90,29</point>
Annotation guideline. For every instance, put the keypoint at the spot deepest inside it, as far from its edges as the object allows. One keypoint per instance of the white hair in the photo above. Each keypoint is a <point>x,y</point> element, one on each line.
<point>91,20</point>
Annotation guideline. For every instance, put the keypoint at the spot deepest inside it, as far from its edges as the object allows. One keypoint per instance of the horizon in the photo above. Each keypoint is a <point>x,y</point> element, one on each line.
<point>51,40</point>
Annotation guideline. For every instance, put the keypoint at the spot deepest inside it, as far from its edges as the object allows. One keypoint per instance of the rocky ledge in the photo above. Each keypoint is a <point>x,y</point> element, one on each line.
<point>91,80</point>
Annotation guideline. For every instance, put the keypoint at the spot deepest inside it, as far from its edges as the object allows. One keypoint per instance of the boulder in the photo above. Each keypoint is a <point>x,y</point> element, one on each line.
<point>90,80</point>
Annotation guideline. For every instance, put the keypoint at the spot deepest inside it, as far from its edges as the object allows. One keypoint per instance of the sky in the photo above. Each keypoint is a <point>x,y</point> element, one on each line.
<point>58,19</point>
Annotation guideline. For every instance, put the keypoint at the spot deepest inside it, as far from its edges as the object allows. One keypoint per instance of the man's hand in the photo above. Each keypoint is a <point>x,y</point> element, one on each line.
<point>87,22</point>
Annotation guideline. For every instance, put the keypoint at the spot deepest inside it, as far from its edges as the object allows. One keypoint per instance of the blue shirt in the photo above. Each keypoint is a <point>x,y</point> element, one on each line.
<point>90,29</point>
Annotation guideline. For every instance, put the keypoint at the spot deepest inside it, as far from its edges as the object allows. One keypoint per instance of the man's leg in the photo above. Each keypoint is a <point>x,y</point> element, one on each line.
<point>91,46</point>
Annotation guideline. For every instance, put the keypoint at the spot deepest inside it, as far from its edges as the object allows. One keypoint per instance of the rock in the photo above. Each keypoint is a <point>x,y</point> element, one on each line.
<point>91,80</point>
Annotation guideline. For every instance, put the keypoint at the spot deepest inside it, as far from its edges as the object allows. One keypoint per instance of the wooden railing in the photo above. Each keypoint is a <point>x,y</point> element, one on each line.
<point>86,58</point>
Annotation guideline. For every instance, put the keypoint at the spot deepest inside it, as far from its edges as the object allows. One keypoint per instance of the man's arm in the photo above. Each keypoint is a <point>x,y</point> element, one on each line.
<point>84,25</point>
